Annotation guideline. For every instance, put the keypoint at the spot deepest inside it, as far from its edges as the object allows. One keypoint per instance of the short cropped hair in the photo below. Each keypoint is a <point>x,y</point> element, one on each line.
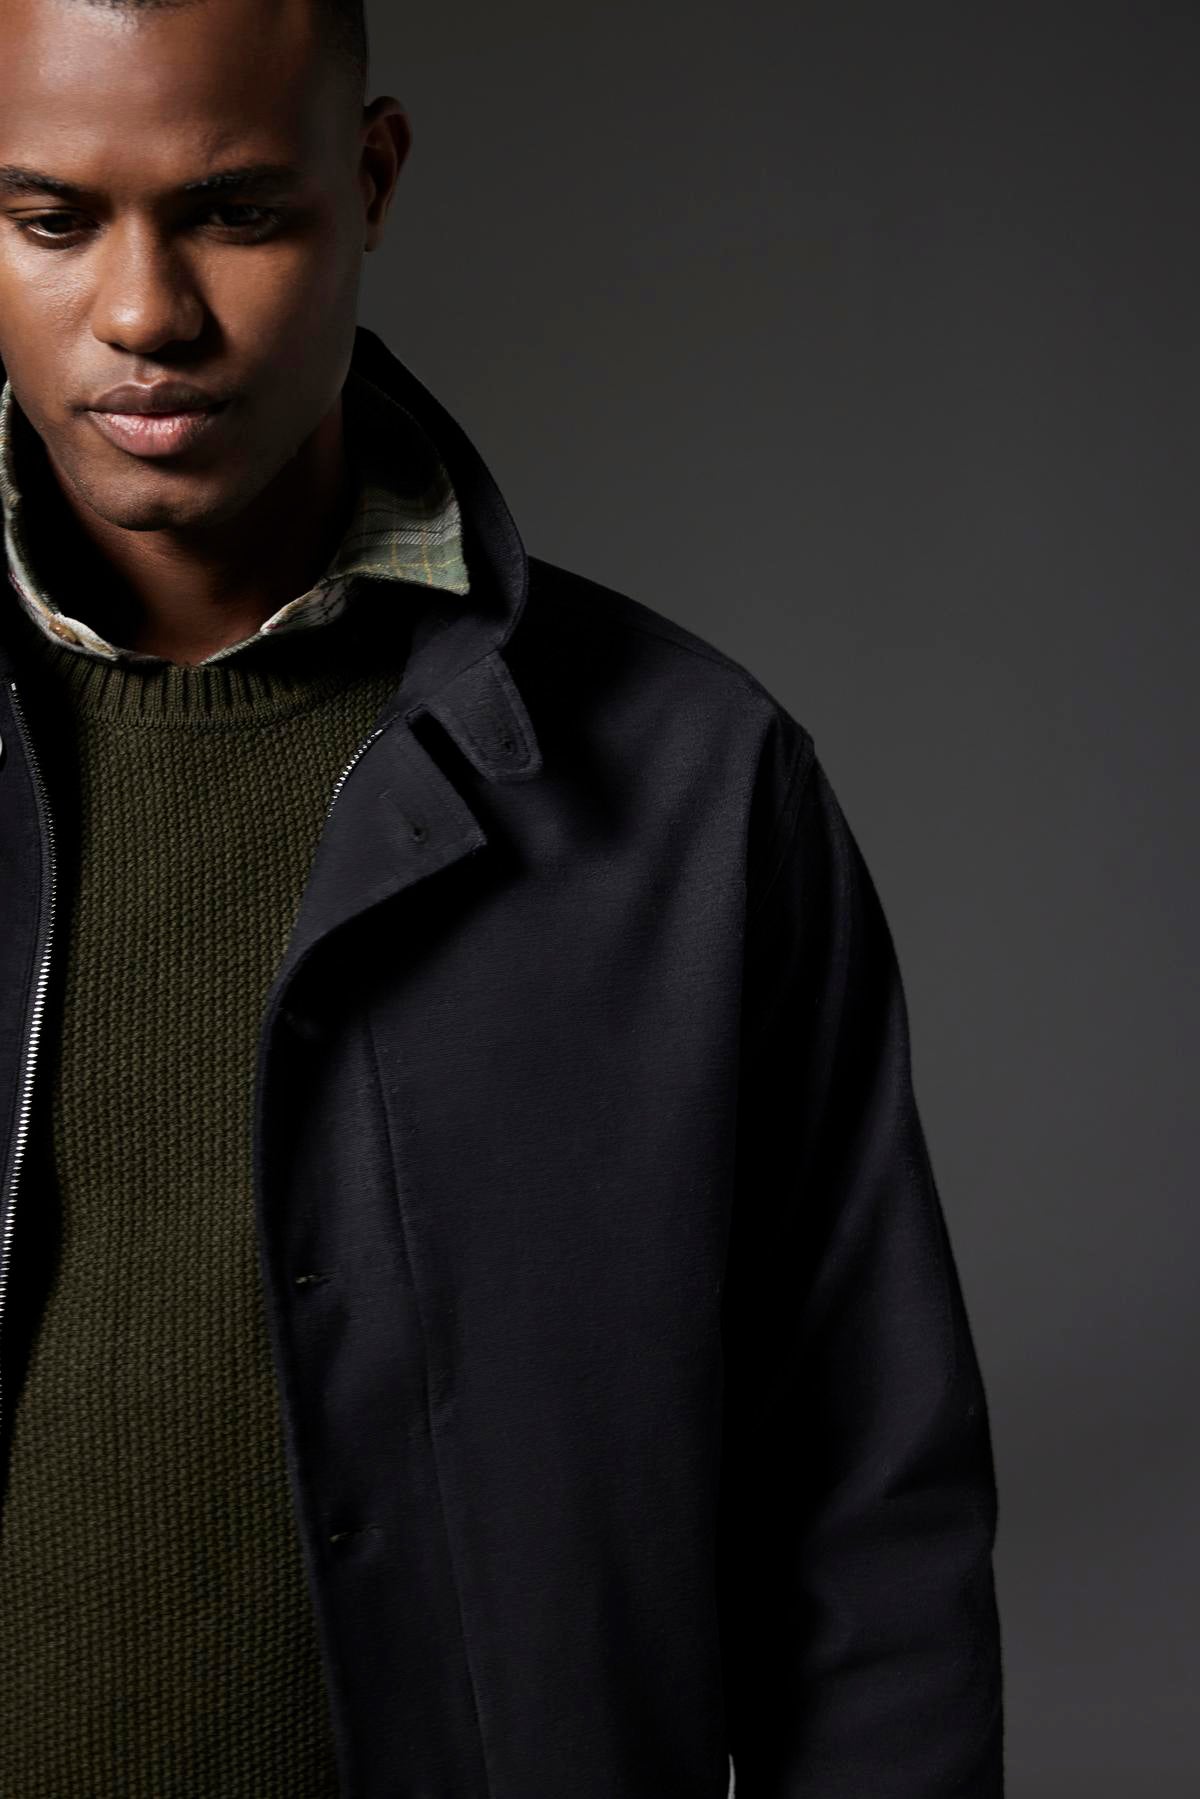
<point>344,20</point>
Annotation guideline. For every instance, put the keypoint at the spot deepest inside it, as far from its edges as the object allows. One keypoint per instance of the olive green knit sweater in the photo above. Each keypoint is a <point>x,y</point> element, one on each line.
<point>156,1631</point>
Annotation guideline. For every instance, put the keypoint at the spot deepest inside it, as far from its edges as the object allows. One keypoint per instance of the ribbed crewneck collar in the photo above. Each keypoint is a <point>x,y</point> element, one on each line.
<point>267,680</point>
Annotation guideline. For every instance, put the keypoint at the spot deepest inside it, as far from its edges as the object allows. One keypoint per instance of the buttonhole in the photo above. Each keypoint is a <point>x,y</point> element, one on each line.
<point>302,1024</point>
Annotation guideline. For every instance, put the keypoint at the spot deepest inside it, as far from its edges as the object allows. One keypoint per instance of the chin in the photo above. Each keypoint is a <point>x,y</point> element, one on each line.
<point>157,500</point>
<point>153,512</point>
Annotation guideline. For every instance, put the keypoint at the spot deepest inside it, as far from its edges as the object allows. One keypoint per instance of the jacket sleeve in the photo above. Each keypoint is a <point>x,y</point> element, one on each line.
<point>860,1635</point>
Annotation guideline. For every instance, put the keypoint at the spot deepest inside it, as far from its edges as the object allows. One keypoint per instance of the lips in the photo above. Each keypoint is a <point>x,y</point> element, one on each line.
<point>168,395</point>
<point>158,433</point>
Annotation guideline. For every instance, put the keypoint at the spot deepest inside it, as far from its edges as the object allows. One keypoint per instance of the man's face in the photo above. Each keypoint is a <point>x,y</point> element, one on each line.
<point>133,281</point>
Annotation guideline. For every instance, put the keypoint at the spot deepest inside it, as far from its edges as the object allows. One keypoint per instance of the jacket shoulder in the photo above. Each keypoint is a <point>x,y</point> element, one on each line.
<point>602,639</point>
<point>568,603</point>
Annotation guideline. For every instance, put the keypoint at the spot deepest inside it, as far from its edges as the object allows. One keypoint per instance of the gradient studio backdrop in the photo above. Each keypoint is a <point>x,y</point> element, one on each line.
<point>914,290</point>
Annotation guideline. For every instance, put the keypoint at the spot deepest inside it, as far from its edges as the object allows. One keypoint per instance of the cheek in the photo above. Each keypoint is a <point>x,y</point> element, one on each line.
<point>36,310</point>
<point>300,277</point>
<point>261,292</point>
<point>29,351</point>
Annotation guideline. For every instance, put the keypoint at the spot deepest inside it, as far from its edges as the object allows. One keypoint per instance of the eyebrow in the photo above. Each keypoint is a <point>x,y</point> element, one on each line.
<point>277,175</point>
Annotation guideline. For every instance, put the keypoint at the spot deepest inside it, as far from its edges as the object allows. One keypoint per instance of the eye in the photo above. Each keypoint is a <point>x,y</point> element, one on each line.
<point>41,227</point>
<point>266,220</point>
<point>32,227</point>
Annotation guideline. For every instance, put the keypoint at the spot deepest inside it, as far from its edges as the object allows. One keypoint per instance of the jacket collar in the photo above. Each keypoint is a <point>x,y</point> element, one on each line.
<point>456,669</point>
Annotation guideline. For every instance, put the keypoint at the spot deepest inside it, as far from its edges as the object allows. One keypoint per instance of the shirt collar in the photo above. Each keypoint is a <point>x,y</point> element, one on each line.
<point>406,526</point>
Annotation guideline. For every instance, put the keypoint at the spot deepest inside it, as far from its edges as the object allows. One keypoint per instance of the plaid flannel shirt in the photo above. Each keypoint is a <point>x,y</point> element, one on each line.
<point>406,526</point>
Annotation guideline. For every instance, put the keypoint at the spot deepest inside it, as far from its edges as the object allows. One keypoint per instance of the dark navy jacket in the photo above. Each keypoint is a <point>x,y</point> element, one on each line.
<point>632,1415</point>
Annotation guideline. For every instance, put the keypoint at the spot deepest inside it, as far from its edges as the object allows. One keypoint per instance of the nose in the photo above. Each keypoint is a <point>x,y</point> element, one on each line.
<point>146,294</point>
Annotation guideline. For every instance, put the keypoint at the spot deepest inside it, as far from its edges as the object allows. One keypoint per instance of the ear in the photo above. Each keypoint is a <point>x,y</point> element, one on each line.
<point>386,142</point>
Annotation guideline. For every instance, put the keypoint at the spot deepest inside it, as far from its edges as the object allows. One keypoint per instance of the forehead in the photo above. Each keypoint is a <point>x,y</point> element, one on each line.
<point>107,95</point>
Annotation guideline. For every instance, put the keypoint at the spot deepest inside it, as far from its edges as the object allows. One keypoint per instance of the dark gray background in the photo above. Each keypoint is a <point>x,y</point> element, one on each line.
<point>862,340</point>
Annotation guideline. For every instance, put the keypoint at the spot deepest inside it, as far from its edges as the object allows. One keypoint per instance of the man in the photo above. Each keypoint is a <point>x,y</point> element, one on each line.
<point>476,1316</point>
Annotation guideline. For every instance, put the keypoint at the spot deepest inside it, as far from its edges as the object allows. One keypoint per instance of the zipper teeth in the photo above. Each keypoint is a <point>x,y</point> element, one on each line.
<point>364,745</point>
<point>36,1026</point>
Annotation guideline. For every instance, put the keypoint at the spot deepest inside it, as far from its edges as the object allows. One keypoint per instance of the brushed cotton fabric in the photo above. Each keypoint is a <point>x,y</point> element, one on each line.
<point>630,1413</point>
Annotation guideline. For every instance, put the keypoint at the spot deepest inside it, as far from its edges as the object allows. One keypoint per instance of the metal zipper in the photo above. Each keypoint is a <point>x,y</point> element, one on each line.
<point>35,1032</point>
<point>364,745</point>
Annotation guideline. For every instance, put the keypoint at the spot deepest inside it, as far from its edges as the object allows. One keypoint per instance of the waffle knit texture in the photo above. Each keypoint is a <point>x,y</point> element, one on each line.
<point>157,1634</point>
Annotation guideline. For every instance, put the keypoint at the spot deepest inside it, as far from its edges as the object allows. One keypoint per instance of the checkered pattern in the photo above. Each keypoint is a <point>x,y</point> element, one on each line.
<point>406,526</point>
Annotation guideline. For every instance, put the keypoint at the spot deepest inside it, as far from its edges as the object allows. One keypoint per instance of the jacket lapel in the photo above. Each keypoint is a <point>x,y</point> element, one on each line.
<point>398,818</point>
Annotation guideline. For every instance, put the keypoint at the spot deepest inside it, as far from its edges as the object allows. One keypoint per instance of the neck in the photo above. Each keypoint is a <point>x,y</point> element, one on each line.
<point>185,597</point>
